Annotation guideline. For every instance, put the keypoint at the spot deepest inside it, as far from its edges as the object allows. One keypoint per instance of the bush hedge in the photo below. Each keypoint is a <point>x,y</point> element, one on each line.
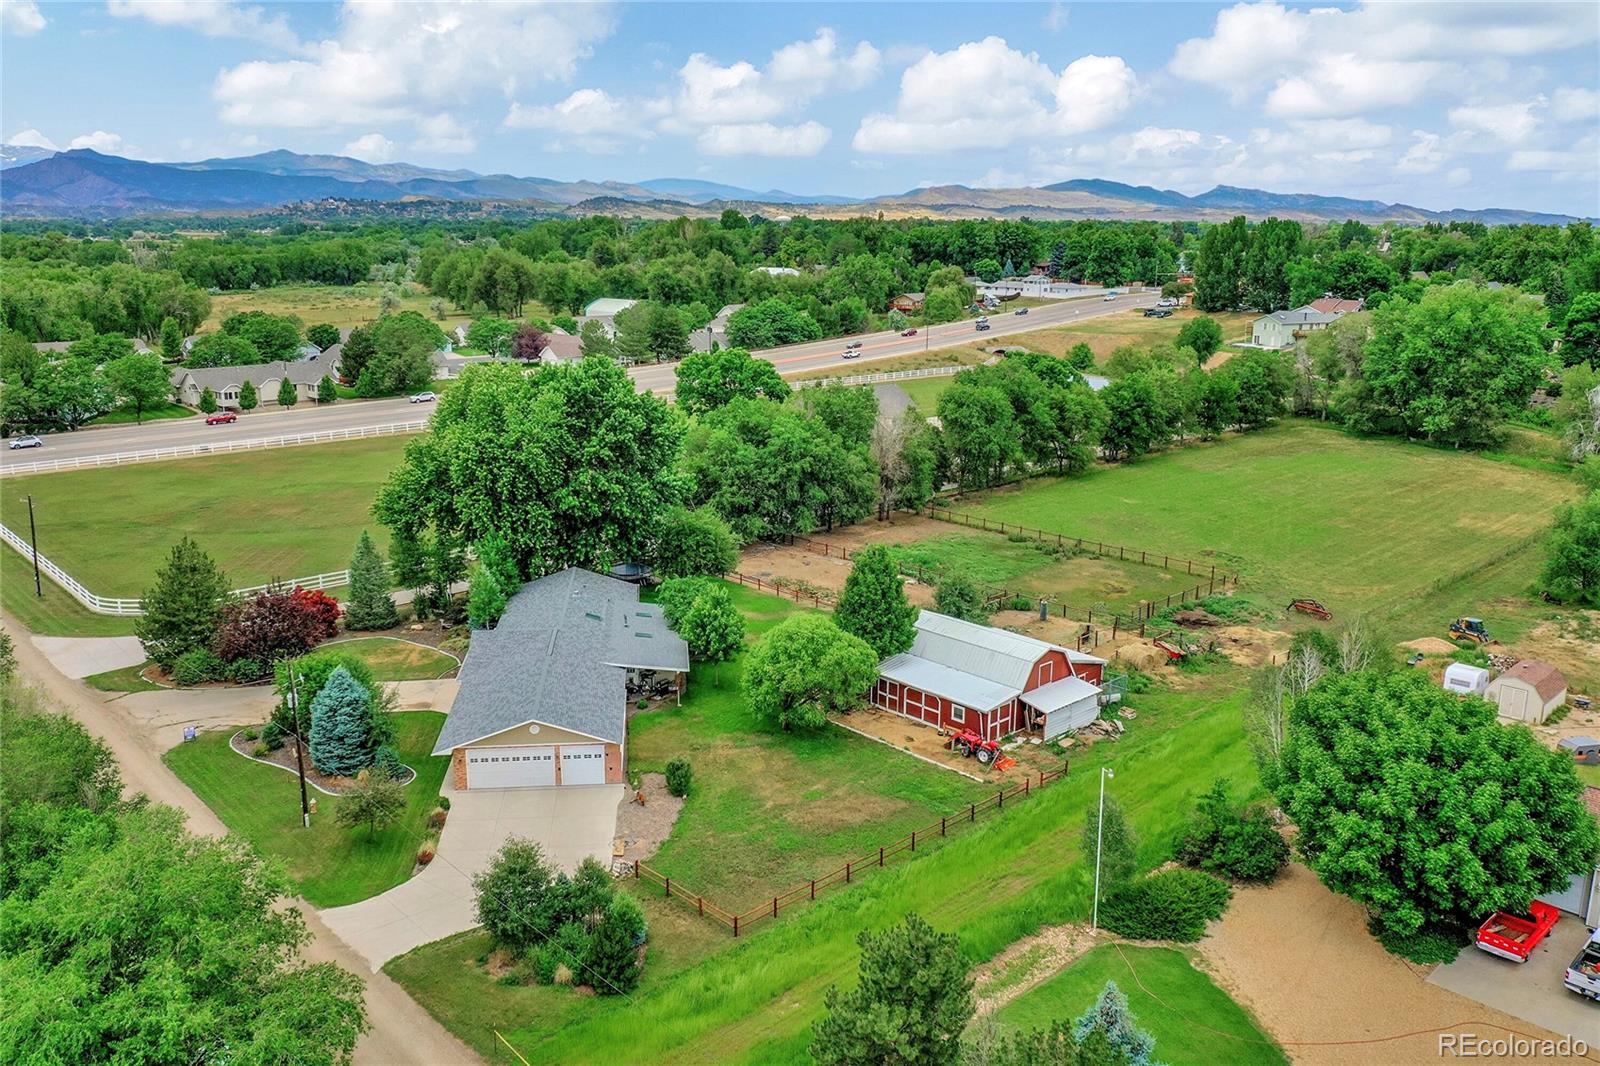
<point>196,667</point>
<point>1170,905</point>
<point>1242,844</point>
<point>680,775</point>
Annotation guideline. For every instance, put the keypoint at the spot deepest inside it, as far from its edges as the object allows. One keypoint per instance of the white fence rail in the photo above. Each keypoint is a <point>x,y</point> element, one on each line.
<point>224,447</point>
<point>134,607</point>
<point>883,375</point>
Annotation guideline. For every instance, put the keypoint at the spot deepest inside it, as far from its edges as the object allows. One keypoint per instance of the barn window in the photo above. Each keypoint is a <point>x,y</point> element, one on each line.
<point>958,713</point>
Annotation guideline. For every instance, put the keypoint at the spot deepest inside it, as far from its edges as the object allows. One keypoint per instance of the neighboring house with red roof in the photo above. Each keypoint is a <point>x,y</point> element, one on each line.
<point>1332,305</point>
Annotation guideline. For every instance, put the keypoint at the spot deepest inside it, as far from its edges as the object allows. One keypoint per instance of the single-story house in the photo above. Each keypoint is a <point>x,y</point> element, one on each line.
<point>964,676</point>
<point>561,348</point>
<point>543,696</point>
<point>607,307</point>
<point>907,303</point>
<point>1466,679</point>
<point>1582,894</point>
<point>1528,692</point>
<point>1280,328</point>
<point>780,272</point>
<point>226,381</point>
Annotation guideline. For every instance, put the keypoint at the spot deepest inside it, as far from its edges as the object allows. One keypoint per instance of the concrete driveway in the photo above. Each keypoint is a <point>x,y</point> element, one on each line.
<point>568,823</point>
<point>1532,990</point>
<point>80,657</point>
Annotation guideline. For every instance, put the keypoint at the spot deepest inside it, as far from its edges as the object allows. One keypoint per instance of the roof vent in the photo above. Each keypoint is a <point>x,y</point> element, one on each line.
<point>591,614</point>
<point>642,633</point>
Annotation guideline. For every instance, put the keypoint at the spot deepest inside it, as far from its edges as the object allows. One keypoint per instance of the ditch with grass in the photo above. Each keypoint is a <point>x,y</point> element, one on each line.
<point>1191,1019</point>
<point>331,866</point>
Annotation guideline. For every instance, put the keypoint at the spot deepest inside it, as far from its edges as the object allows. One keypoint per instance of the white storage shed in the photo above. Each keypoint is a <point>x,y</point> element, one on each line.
<point>1528,692</point>
<point>1466,679</point>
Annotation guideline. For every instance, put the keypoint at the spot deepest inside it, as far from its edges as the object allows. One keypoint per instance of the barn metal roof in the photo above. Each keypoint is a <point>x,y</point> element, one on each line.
<point>997,654</point>
<point>969,690</point>
<point>560,656</point>
<point>1059,694</point>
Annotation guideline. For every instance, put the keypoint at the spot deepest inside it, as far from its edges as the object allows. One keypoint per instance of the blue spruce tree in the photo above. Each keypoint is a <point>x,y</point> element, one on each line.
<point>341,726</point>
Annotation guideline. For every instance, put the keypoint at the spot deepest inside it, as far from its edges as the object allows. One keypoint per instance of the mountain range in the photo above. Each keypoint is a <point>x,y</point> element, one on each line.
<point>85,183</point>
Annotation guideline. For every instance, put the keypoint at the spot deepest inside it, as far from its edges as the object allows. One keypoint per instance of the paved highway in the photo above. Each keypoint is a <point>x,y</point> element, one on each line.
<point>353,415</point>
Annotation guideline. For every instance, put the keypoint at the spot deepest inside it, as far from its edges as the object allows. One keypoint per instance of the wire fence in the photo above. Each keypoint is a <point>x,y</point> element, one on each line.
<point>133,607</point>
<point>799,594</point>
<point>221,447</point>
<point>740,922</point>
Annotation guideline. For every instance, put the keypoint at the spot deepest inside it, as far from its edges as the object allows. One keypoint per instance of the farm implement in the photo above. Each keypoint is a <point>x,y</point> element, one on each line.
<point>1311,607</point>
<point>1470,629</point>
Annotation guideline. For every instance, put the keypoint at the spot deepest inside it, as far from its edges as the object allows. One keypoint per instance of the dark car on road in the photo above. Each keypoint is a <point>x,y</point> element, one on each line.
<point>908,333</point>
<point>1020,311</point>
<point>221,418</point>
<point>1157,312</point>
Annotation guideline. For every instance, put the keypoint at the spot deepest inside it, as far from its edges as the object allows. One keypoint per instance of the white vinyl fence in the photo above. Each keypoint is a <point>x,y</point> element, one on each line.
<point>884,375</point>
<point>133,607</point>
<point>221,447</point>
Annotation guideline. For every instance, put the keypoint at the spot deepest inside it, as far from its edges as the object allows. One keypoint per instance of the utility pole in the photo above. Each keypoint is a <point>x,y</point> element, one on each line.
<point>299,742</point>
<point>33,538</point>
<point>1099,834</point>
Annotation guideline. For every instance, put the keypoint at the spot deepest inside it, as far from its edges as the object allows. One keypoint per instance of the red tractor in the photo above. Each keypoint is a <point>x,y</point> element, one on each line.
<point>975,747</point>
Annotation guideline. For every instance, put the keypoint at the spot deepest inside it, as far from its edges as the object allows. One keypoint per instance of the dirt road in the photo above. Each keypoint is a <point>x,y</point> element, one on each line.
<point>402,1032</point>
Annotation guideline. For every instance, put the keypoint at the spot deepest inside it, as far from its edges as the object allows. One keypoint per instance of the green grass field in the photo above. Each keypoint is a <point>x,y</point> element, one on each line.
<point>332,866</point>
<point>279,513</point>
<point>1080,581</point>
<point>127,679</point>
<point>1193,1021</point>
<point>56,614</point>
<point>768,809</point>
<point>343,306</point>
<point>753,1000</point>
<point>1106,334</point>
<point>925,392</point>
<point>124,416</point>
<point>1304,510</point>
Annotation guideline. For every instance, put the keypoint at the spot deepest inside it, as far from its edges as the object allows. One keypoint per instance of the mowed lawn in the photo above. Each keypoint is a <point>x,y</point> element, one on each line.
<point>396,660</point>
<point>1106,334</point>
<point>331,865</point>
<point>1191,1019</point>
<point>770,810</point>
<point>754,999</point>
<point>280,513</point>
<point>1303,510</point>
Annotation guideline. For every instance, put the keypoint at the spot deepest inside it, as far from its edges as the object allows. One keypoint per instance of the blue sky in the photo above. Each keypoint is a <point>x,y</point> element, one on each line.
<point>1438,105</point>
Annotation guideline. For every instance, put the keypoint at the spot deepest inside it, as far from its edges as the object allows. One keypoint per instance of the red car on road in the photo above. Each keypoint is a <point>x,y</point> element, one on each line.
<point>221,418</point>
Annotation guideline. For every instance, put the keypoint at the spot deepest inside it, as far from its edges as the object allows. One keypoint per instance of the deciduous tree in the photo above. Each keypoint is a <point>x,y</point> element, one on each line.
<point>695,542</point>
<point>805,669</point>
<point>1571,571</point>
<point>708,380</point>
<point>249,398</point>
<point>375,800</point>
<point>139,381</point>
<point>873,605</point>
<point>288,395</point>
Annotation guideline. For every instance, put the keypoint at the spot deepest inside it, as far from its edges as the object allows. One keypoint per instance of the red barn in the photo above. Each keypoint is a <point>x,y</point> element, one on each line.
<point>960,675</point>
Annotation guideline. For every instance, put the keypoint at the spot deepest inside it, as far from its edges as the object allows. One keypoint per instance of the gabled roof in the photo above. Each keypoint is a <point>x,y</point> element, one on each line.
<point>969,690</point>
<point>1333,305</point>
<point>1545,679</point>
<point>607,306</point>
<point>996,654</point>
<point>1303,316</point>
<point>1059,694</point>
<point>559,656</point>
<point>304,372</point>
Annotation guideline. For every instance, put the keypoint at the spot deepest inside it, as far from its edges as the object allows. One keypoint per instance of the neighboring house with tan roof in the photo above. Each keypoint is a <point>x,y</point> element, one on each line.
<point>1528,692</point>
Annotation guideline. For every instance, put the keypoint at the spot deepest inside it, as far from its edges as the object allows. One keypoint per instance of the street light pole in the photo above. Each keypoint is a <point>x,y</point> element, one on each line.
<point>299,744</point>
<point>1099,834</point>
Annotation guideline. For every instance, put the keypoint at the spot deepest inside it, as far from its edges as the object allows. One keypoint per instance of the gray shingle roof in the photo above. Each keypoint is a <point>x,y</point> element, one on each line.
<point>307,372</point>
<point>560,657</point>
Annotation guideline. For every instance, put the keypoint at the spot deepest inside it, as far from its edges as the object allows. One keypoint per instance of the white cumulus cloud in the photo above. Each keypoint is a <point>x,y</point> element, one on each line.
<point>372,147</point>
<point>213,18</point>
<point>1509,123</point>
<point>99,141</point>
<point>21,17</point>
<point>32,138</point>
<point>763,138</point>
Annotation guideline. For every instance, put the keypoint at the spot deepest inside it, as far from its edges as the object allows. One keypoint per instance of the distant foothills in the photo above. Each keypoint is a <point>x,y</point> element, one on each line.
<point>87,184</point>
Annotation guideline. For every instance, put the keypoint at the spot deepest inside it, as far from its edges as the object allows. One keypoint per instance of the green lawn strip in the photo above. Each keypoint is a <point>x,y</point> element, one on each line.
<point>58,613</point>
<point>1589,774</point>
<point>128,416</point>
<point>1192,1020</point>
<point>1301,510</point>
<point>127,679</point>
<point>396,660</point>
<point>332,865</point>
<point>280,513</point>
<point>925,392</point>
<point>755,1001</point>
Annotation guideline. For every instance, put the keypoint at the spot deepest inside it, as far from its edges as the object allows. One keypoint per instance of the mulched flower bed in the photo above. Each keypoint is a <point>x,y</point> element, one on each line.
<point>284,757</point>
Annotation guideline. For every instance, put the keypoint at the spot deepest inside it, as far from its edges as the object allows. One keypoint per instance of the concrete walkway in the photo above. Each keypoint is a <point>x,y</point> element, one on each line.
<point>80,657</point>
<point>567,823</point>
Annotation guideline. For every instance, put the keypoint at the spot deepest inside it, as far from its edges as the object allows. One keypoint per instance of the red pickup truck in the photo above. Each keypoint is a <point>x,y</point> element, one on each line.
<point>1514,936</point>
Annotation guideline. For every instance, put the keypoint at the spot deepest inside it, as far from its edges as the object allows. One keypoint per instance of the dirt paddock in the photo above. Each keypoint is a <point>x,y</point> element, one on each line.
<point>1300,958</point>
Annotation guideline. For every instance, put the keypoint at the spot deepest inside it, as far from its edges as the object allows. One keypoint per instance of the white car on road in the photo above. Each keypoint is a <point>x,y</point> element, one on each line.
<point>29,441</point>
<point>1112,295</point>
<point>424,397</point>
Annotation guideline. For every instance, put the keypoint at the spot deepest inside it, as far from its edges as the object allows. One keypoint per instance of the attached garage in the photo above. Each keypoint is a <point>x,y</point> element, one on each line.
<point>583,764</point>
<point>527,767</point>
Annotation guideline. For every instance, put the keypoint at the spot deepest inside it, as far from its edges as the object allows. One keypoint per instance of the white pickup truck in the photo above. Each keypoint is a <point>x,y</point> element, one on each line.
<point>1583,976</point>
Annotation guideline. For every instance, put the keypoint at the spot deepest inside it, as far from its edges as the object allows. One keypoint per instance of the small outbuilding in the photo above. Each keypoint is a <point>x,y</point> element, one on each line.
<point>1466,679</point>
<point>1528,692</point>
<point>1585,750</point>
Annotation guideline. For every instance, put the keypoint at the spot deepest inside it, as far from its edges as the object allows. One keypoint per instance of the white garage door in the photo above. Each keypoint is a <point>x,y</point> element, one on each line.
<point>1572,899</point>
<point>520,767</point>
<point>583,764</point>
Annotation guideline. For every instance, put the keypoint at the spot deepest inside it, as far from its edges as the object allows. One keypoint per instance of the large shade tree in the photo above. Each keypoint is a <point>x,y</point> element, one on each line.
<point>805,669</point>
<point>1420,805</point>
<point>873,605</point>
<point>570,466</point>
<point>707,380</point>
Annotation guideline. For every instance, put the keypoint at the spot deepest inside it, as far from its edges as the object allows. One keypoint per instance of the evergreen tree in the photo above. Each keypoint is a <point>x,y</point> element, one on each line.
<point>208,401</point>
<point>248,397</point>
<point>369,606</point>
<point>327,390</point>
<point>873,605</point>
<point>341,733</point>
<point>959,598</point>
<point>613,964</point>
<point>288,395</point>
<point>1110,1016</point>
<point>183,608</point>
<point>171,340</point>
<point>1119,848</point>
<point>1058,259</point>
